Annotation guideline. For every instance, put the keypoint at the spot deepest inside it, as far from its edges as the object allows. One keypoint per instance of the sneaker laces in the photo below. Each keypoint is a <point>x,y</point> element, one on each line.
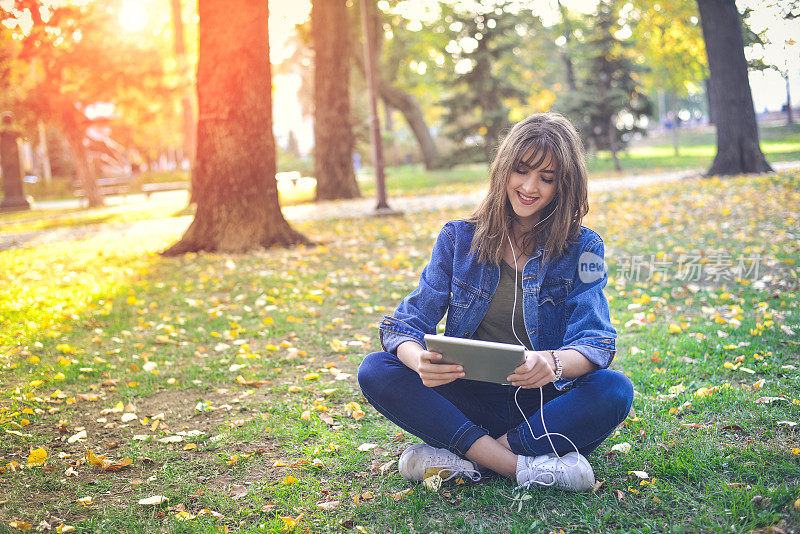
<point>472,474</point>
<point>442,464</point>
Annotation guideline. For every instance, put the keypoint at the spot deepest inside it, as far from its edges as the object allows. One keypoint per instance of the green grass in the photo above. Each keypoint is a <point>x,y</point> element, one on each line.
<point>85,325</point>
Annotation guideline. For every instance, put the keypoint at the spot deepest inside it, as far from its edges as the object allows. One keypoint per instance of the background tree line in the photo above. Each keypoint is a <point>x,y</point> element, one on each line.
<point>457,77</point>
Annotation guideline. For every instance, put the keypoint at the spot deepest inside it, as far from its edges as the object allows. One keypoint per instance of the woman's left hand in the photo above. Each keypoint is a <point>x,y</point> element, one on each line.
<point>535,372</point>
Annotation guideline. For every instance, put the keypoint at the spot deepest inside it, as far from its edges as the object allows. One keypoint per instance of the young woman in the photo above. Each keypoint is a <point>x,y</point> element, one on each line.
<point>520,270</point>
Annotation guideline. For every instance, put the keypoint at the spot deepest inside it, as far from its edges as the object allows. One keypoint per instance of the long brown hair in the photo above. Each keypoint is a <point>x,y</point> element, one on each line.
<point>548,134</point>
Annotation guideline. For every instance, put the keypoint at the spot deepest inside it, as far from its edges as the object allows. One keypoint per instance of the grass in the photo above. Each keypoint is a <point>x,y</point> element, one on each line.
<point>94,329</point>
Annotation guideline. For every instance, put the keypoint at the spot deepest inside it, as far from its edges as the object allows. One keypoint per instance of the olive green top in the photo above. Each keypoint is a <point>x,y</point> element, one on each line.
<point>496,325</point>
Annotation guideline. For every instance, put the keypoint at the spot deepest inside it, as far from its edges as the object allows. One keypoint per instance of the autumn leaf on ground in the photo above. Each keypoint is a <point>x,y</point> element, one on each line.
<point>328,505</point>
<point>290,523</point>
<point>153,501</point>
<point>252,383</point>
<point>105,464</point>
<point>37,457</point>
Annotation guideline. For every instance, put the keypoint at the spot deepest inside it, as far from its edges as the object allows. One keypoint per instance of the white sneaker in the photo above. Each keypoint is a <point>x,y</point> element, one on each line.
<point>570,472</point>
<point>421,461</point>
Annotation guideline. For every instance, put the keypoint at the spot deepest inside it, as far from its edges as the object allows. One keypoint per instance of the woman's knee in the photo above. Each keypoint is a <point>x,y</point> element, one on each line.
<point>373,373</point>
<point>613,389</point>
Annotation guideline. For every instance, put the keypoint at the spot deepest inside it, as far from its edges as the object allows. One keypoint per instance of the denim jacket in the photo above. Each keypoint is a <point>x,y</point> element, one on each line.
<point>563,301</point>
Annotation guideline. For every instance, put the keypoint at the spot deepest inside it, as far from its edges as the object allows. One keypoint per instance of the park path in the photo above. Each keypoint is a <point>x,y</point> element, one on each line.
<point>337,209</point>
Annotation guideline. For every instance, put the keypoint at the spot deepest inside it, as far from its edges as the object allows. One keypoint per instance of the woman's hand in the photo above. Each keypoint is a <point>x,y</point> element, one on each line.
<point>535,372</point>
<point>436,374</point>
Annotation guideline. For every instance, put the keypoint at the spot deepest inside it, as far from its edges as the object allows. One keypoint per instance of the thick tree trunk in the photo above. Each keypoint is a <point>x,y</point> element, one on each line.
<point>738,149</point>
<point>236,191</point>
<point>333,132</point>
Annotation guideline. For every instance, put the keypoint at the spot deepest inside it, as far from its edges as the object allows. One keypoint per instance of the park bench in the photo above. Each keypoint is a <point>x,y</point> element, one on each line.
<point>108,186</point>
<point>149,189</point>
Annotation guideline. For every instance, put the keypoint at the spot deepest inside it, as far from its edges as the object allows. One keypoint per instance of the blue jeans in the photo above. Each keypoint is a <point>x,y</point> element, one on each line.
<point>453,416</point>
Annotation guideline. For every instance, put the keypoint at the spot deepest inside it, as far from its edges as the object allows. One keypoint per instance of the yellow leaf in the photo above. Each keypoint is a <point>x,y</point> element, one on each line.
<point>20,525</point>
<point>311,376</point>
<point>37,457</point>
<point>795,451</point>
<point>93,459</point>
<point>675,329</point>
<point>59,376</point>
<point>34,359</point>
<point>401,494</point>
<point>289,480</point>
<point>63,529</point>
<point>306,415</point>
<point>189,446</point>
<point>64,362</point>
<point>290,523</point>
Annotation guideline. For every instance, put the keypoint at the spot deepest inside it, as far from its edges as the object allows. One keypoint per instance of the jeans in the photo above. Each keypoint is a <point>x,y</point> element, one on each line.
<point>453,416</point>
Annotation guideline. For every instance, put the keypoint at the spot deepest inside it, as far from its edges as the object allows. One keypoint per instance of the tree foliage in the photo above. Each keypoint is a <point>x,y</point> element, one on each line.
<point>485,85</point>
<point>610,101</point>
<point>70,56</point>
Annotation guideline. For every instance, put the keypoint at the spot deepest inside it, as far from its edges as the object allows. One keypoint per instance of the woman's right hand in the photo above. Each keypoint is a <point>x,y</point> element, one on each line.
<point>436,374</point>
<point>424,363</point>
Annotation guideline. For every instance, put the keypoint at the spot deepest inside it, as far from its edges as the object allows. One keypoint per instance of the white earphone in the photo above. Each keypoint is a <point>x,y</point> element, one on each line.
<point>541,393</point>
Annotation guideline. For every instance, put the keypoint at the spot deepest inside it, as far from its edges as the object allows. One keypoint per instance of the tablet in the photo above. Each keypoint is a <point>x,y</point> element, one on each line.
<point>482,360</point>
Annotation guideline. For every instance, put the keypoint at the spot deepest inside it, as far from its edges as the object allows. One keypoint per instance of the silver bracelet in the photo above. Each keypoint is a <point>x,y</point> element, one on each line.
<point>559,367</point>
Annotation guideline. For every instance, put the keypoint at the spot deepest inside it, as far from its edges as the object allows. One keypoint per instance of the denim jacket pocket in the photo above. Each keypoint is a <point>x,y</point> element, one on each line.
<point>461,298</point>
<point>552,303</point>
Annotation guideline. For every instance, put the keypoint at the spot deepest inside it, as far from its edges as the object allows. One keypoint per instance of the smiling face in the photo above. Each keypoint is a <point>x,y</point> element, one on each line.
<point>531,187</point>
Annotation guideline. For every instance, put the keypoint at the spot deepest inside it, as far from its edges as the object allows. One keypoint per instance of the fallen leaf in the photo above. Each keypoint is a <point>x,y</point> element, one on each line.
<point>326,418</point>
<point>401,494</point>
<point>290,523</point>
<point>364,447</point>
<point>432,483</point>
<point>154,500</point>
<point>63,529</point>
<point>289,480</point>
<point>20,525</point>
<point>128,417</point>
<point>328,505</point>
<point>770,400</point>
<point>37,457</point>
<point>623,447</point>
<point>77,437</point>
<point>640,474</point>
<point>598,485</point>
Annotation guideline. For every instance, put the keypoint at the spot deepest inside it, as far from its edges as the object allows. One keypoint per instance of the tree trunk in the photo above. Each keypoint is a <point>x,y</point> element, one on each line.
<point>612,144</point>
<point>333,132</point>
<point>237,194</point>
<point>189,127</point>
<point>408,106</point>
<point>412,113</point>
<point>738,149</point>
<point>789,118</point>
<point>74,134</point>
<point>565,55</point>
